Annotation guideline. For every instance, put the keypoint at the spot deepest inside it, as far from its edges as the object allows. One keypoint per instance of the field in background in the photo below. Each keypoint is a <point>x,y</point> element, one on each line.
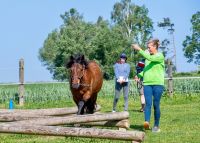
<point>45,92</point>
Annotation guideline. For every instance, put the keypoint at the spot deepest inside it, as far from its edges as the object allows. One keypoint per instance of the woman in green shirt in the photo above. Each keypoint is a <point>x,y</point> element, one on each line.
<point>153,79</point>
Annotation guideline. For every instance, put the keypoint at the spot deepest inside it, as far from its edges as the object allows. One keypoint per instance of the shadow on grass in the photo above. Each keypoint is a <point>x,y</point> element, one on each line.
<point>136,110</point>
<point>137,127</point>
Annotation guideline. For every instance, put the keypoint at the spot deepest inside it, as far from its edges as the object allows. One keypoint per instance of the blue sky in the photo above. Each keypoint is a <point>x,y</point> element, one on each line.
<point>25,25</point>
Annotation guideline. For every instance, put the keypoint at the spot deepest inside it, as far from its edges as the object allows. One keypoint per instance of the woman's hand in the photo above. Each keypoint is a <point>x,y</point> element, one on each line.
<point>136,47</point>
<point>136,78</point>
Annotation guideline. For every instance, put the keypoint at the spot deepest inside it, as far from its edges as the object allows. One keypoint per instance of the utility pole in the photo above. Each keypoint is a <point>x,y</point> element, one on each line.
<point>167,24</point>
<point>171,32</point>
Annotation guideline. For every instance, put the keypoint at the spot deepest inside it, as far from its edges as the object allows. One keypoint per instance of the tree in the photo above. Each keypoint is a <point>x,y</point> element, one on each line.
<point>133,22</point>
<point>106,43</point>
<point>164,47</point>
<point>74,36</point>
<point>192,43</point>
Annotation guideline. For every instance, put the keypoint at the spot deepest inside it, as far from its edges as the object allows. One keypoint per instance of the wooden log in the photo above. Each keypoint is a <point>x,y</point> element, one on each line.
<point>120,124</point>
<point>43,112</point>
<point>10,118</point>
<point>18,114</point>
<point>76,119</point>
<point>74,132</point>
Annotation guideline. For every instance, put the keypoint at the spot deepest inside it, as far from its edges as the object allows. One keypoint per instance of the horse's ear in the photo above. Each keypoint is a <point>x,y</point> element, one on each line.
<point>82,57</point>
<point>70,62</point>
<point>83,61</point>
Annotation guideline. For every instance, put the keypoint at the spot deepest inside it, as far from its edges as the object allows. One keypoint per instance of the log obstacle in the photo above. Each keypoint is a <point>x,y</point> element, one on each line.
<point>43,112</point>
<point>120,124</point>
<point>52,121</point>
<point>49,122</point>
<point>73,132</point>
<point>7,115</point>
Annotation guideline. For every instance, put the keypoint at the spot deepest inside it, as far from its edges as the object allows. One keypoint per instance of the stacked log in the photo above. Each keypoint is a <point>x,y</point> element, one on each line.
<point>73,132</point>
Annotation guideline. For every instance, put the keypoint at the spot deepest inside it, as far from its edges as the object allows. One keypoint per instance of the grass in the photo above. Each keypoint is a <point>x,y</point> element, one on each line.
<point>180,117</point>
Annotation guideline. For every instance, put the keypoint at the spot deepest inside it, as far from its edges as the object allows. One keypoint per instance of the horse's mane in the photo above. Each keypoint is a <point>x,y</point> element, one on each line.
<point>78,58</point>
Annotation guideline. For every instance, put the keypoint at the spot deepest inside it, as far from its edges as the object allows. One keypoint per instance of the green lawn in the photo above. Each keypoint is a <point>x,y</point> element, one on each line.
<point>180,117</point>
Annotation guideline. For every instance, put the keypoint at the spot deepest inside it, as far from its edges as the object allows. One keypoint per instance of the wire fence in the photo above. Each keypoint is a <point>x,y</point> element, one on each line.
<point>53,91</point>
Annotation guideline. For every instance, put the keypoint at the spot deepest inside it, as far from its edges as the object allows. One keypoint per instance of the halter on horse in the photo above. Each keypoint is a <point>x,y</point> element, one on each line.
<point>77,72</point>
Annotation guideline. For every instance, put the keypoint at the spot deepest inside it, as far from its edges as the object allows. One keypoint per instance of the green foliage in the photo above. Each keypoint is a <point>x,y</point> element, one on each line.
<point>100,41</point>
<point>74,36</point>
<point>192,43</point>
<point>187,74</point>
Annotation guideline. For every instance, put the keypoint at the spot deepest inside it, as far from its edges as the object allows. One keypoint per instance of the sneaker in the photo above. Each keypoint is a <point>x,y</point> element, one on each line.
<point>113,111</point>
<point>155,129</point>
<point>141,110</point>
<point>146,125</point>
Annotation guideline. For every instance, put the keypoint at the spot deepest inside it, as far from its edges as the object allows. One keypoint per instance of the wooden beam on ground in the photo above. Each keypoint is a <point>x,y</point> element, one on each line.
<point>73,132</point>
<point>43,112</point>
<point>21,114</point>
<point>120,124</point>
<point>10,118</point>
<point>75,119</point>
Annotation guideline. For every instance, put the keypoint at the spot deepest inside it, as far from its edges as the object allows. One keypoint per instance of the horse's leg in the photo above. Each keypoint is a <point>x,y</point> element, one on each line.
<point>91,104</point>
<point>80,107</point>
<point>94,99</point>
<point>89,107</point>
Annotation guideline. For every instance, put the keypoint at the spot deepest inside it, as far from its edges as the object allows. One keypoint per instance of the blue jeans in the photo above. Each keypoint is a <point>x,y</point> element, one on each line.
<point>154,91</point>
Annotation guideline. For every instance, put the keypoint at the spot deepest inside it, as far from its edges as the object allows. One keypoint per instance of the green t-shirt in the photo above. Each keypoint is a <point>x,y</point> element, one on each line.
<point>153,73</point>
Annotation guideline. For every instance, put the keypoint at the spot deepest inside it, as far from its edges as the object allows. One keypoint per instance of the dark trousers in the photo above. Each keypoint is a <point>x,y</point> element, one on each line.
<point>118,88</point>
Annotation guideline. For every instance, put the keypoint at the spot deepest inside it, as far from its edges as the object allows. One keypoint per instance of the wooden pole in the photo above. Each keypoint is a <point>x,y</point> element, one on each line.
<point>18,115</point>
<point>21,82</point>
<point>74,132</point>
<point>43,112</point>
<point>10,118</point>
<point>75,119</point>
<point>170,80</point>
<point>120,124</point>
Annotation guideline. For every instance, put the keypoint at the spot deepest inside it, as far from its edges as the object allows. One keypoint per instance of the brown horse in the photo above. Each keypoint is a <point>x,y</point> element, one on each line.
<point>85,82</point>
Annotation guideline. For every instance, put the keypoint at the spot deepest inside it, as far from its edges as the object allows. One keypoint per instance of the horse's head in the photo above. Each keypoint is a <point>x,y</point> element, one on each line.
<point>77,65</point>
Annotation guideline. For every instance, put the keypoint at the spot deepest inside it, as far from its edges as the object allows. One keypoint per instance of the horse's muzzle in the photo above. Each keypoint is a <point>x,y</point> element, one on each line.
<point>76,85</point>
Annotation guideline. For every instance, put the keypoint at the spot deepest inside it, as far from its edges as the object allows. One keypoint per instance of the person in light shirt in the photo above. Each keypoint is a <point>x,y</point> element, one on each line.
<point>122,71</point>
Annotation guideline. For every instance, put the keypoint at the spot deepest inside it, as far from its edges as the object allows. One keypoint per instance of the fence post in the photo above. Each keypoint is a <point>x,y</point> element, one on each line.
<point>21,82</point>
<point>170,80</point>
